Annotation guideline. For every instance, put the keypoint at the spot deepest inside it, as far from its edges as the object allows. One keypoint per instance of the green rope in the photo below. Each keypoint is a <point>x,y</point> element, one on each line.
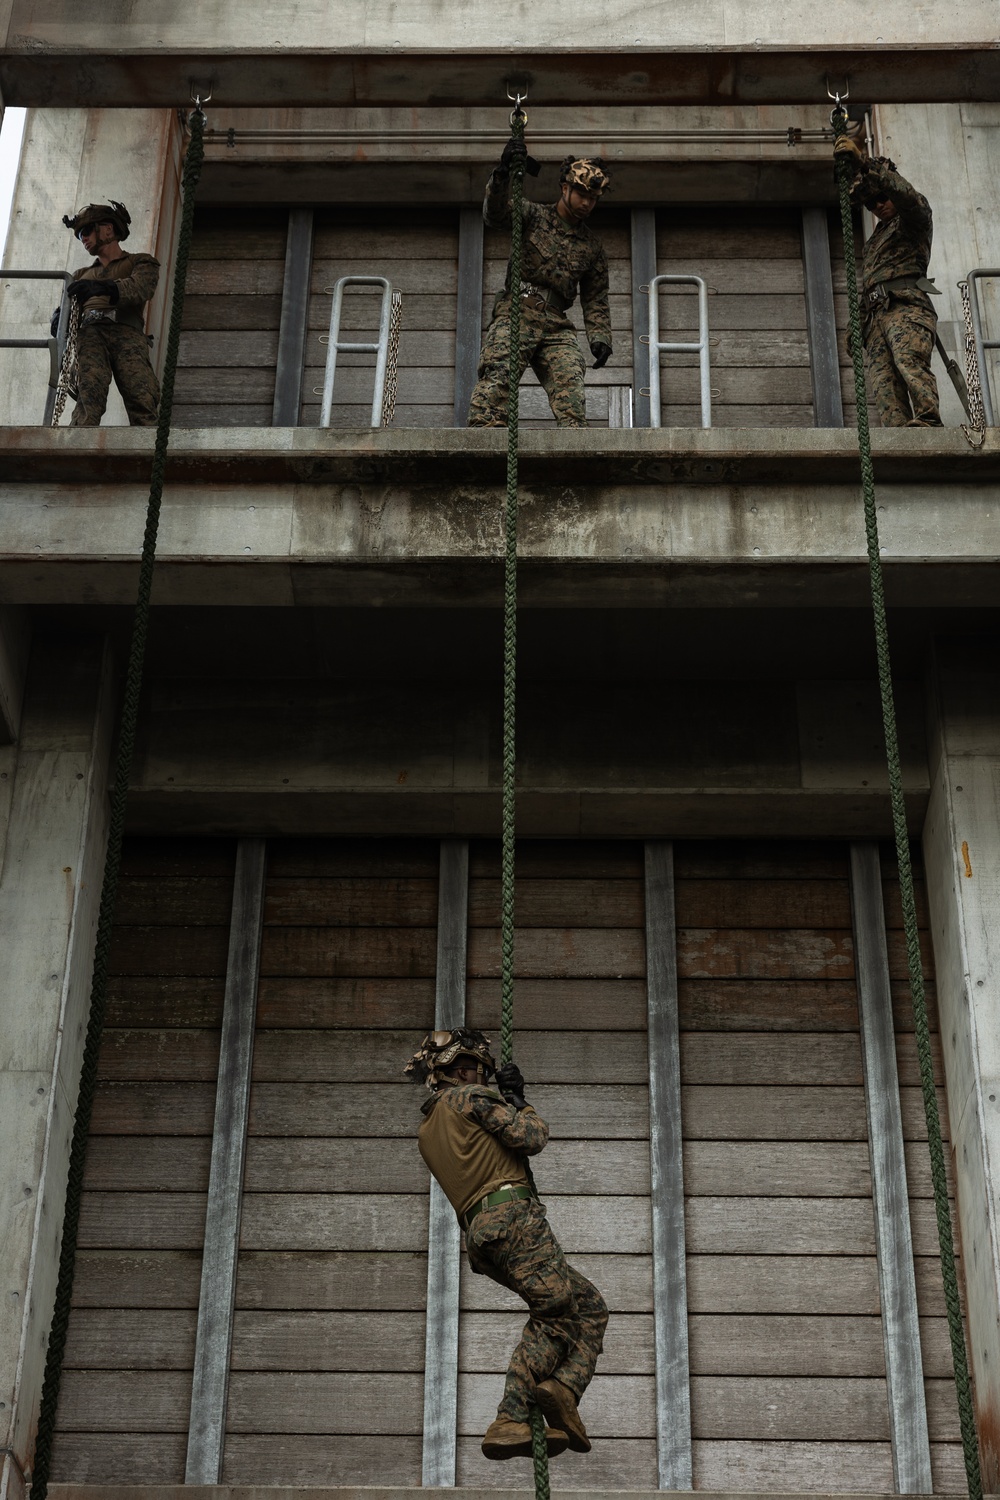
<point>946,1240</point>
<point>109,890</point>
<point>539,1449</point>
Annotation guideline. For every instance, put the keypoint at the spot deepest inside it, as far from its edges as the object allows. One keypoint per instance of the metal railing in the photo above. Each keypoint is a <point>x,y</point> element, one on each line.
<point>982,343</point>
<point>381,349</point>
<point>55,345</point>
<point>658,346</point>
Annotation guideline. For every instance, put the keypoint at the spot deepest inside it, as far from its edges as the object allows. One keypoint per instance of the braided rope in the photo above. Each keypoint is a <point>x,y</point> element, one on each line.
<point>109,890</point>
<point>946,1240</point>
<point>539,1448</point>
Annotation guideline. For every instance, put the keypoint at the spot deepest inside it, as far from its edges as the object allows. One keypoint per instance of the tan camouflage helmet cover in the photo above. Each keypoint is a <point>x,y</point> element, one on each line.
<point>439,1049</point>
<point>586,173</point>
<point>101,213</point>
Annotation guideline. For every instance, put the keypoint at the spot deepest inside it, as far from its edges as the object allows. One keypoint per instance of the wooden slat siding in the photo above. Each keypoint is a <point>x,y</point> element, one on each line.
<point>238,257</point>
<point>145,1233</point>
<point>748,256</point>
<point>604,1228</point>
<point>772,1091</point>
<point>900,1326</point>
<point>354,1242</point>
<point>421,261</point>
<point>444,1242</point>
<point>210,1380</point>
<point>671,1368</point>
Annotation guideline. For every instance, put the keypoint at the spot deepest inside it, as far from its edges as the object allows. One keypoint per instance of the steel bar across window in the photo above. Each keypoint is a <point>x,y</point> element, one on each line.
<point>337,346</point>
<point>658,346</point>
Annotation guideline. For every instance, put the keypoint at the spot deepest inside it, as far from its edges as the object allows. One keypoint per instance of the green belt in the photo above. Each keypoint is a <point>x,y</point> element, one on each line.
<point>493,1200</point>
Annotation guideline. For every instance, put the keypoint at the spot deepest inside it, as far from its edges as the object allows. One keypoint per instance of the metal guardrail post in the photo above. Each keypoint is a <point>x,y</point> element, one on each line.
<point>337,346</point>
<point>658,346</point>
<point>56,346</point>
<point>982,344</point>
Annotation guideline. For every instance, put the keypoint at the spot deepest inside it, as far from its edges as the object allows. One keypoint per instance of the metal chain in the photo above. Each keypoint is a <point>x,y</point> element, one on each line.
<point>69,370</point>
<point>921,1027</point>
<point>116,832</point>
<point>975,429</point>
<point>392,359</point>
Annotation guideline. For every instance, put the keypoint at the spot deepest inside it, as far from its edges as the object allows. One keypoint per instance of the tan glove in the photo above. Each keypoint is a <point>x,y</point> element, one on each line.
<point>845,149</point>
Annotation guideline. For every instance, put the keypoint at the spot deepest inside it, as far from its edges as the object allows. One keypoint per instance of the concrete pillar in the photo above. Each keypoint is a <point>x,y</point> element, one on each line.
<point>49,894</point>
<point>962,855</point>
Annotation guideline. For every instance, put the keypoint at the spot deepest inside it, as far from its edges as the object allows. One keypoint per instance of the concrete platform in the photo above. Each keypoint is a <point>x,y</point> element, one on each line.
<point>374,1492</point>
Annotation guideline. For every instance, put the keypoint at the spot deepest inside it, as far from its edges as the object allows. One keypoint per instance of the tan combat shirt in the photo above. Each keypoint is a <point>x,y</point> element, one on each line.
<point>136,276</point>
<point>474,1142</point>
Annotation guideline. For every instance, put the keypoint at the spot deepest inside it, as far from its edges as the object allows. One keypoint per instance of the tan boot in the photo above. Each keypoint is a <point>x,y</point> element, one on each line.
<point>506,1438</point>
<point>559,1408</point>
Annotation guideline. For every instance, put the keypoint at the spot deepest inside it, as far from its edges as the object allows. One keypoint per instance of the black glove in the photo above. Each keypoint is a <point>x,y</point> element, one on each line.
<point>516,151</point>
<point>81,291</point>
<point>601,353</point>
<point>54,325</point>
<point>510,1081</point>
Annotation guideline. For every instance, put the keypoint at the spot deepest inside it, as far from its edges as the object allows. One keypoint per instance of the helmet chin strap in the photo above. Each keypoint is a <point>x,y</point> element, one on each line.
<point>567,189</point>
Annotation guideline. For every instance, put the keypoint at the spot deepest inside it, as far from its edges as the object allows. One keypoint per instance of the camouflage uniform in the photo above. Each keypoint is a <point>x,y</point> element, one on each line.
<point>117,345</point>
<point>513,1244</point>
<point>899,331</point>
<point>558,258</point>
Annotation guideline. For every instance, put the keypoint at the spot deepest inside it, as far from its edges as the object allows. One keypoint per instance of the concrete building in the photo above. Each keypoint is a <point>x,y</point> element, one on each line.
<point>312,851</point>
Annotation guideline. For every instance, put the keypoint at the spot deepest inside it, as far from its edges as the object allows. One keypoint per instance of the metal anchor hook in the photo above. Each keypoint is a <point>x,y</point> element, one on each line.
<point>839,99</point>
<point>517,113</point>
<point>198,98</point>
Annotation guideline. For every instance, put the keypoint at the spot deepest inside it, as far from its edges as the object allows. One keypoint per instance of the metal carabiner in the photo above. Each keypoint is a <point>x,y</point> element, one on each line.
<point>517,112</point>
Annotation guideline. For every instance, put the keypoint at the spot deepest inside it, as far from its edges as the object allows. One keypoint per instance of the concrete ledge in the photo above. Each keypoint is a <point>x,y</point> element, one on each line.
<point>375,1492</point>
<point>448,455</point>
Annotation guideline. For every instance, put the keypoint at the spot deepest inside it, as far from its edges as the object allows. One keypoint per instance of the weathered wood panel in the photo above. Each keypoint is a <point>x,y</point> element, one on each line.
<point>307,1459</point>
<point>119,1458</point>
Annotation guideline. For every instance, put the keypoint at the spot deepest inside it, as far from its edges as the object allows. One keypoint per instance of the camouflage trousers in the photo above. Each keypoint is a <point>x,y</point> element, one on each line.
<point>107,349</point>
<point>899,342</point>
<point>549,345</point>
<point>567,1315</point>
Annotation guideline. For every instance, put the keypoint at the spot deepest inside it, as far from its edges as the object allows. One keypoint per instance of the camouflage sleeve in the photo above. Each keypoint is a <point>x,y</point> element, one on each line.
<point>519,1129</point>
<point>496,204</point>
<point>136,289</point>
<point>594,300</point>
<point>912,206</point>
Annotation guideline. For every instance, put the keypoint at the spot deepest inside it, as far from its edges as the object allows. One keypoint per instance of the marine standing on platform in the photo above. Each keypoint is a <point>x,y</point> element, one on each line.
<point>111,294</point>
<point>899,318</point>
<point>560,257</point>
<point>476,1141</point>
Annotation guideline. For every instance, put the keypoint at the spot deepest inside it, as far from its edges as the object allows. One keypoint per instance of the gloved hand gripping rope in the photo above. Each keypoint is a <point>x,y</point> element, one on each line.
<point>847,161</point>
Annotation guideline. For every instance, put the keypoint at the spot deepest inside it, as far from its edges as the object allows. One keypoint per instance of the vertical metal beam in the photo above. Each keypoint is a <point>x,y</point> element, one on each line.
<point>469,312</point>
<point>821,320</point>
<point>673,1382</point>
<point>294,319</point>
<point>444,1243</point>
<point>911,1454</point>
<point>643,271</point>
<point>210,1387</point>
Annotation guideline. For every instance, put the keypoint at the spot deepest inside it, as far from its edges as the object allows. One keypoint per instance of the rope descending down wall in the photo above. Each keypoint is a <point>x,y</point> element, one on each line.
<point>946,1239</point>
<point>109,890</point>
<point>518,119</point>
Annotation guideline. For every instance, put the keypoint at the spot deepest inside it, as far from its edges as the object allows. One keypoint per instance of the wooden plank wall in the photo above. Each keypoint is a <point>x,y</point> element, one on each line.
<point>419,255</point>
<point>787,1362</point>
<point>612,226</point>
<point>751,258</point>
<point>232,310</point>
<point>328,1344</point>
<point>126,1387</point>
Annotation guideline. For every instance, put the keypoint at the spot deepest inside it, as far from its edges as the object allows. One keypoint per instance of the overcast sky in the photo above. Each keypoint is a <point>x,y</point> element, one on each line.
<point>10,150</point>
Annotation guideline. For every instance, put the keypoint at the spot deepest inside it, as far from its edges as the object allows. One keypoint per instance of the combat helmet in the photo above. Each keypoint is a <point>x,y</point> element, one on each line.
<point>439,1050</point>
<point>586,173</point>
<point>101,213</point>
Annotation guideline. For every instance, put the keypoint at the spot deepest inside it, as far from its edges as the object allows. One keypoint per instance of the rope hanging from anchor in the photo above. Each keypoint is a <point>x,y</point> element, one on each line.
<point>518,120</point>
<point>970,1446</point>
<point>116,831</point>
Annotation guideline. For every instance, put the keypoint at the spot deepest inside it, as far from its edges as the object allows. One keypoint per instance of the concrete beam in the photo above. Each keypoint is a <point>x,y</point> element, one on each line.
<point>962,859</point>
<point>625,517</point>
<point>49,893</point>
<point>54,60</point>
<point>15,638</point>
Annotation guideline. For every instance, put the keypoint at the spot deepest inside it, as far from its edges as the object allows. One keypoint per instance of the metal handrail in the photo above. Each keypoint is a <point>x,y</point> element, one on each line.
<point>658,346</point>
<point>56,346</point>
<point>982,344</point>
<point>337,346</point>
